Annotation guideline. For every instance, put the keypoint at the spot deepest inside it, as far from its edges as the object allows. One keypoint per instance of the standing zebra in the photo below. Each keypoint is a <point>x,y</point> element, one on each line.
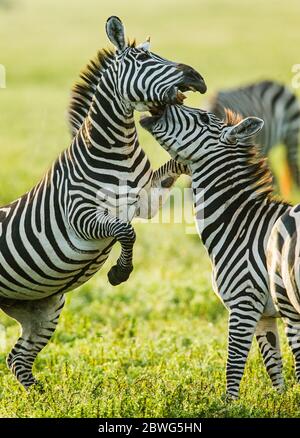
<point>59,234</point>
<point>283,260</point>
<point>235,213</point>
<point>280,110</point>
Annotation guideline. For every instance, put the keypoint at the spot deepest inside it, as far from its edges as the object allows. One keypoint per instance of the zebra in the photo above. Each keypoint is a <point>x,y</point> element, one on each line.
<point>235,213</point>
<point>59,234</point>
<point>280,110</point>
<point>284,271</point>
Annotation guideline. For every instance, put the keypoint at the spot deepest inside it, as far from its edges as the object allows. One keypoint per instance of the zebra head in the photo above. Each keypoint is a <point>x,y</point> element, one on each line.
<point>146,80</point>
<point>190,133</point>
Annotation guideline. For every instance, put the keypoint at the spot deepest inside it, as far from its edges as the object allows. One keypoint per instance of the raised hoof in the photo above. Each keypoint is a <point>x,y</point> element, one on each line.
<point>117,275</point>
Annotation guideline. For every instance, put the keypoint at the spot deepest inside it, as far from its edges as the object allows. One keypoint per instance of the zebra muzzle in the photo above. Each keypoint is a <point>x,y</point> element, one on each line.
<point>191,80</point>
<point>175,95</point>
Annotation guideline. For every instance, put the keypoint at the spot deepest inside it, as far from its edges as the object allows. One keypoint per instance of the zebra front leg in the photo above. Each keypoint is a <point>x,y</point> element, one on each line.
<point>38,320</point>
<point>268,341</point>
<point>168,173</point>
<point>98,224</point>
<point>279,291</point>
<point>289,314</point>
<point>242,324</point>
<point>124,233</point>
<point>162,182</point>
<point>121,271</point>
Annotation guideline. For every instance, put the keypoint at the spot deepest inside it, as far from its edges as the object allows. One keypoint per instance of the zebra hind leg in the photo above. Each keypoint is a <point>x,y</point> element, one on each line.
<point>38,320</point>
<point>268,342</point>
<point>241,332</point>
<point>292,321</point>
<point>289,314</point>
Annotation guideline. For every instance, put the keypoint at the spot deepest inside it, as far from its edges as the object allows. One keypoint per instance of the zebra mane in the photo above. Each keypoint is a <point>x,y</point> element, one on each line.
<point>231,117</point>
<point>259,173</point>
<point>258,170</point>
<point>83,90</point>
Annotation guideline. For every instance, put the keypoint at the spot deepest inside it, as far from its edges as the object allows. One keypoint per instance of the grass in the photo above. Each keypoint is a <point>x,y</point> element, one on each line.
<point>156,345</point>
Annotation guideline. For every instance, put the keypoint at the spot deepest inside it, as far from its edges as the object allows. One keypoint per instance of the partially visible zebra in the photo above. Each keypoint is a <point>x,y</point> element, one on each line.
<point>59,234</point>
<point>283,260</point>
<point>235,213</point>
<point>280,110</point>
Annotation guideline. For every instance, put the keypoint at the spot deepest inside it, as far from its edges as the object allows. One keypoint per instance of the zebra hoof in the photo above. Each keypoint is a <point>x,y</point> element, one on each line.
<point>281,389</point>
<point>229,398</point>
<point>39,387</point>
<point>117,275</point>
<point>35,386</point>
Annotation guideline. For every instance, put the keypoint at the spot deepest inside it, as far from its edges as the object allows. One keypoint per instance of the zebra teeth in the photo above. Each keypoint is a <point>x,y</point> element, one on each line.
<point>180,96</point>
<point>192,88</point>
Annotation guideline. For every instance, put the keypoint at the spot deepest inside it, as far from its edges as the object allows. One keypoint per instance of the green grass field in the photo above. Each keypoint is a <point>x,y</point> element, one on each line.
<point>156,345</point>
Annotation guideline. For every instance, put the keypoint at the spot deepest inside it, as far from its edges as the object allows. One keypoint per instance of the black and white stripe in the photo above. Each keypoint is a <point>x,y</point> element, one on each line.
<point>283,259</point>
<point>280,110</point>
<point>235,213</point>
<point>59,234</point>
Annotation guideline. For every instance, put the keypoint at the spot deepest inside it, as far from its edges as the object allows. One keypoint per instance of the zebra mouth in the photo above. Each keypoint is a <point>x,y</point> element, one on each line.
<point>174,96</point>
<point>156,112</point>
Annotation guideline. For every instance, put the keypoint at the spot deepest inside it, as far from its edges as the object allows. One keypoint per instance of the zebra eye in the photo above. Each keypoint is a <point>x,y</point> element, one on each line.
<point>143,56</point>
<point>204,118</point>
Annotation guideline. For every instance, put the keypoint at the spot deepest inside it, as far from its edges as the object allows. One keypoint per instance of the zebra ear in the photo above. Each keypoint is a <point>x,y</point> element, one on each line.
<point>244,129</point>
<point>116,33</point>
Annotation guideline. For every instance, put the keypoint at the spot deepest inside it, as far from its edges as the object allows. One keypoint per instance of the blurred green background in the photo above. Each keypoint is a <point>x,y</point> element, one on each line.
<point>155,346</point>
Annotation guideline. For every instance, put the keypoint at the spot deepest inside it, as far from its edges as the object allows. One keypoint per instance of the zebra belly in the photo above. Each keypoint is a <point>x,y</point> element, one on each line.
<point>38,268</point>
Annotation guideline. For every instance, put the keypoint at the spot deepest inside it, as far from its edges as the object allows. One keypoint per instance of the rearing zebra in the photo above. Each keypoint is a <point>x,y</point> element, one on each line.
<point>235,213</point>
<point>59,234</point>
<point>280,110</point>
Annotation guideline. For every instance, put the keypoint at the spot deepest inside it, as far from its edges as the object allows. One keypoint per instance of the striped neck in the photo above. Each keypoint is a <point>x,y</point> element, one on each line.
<point>226,183</point>
<point>105,152</point>
<point>109,125</point>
